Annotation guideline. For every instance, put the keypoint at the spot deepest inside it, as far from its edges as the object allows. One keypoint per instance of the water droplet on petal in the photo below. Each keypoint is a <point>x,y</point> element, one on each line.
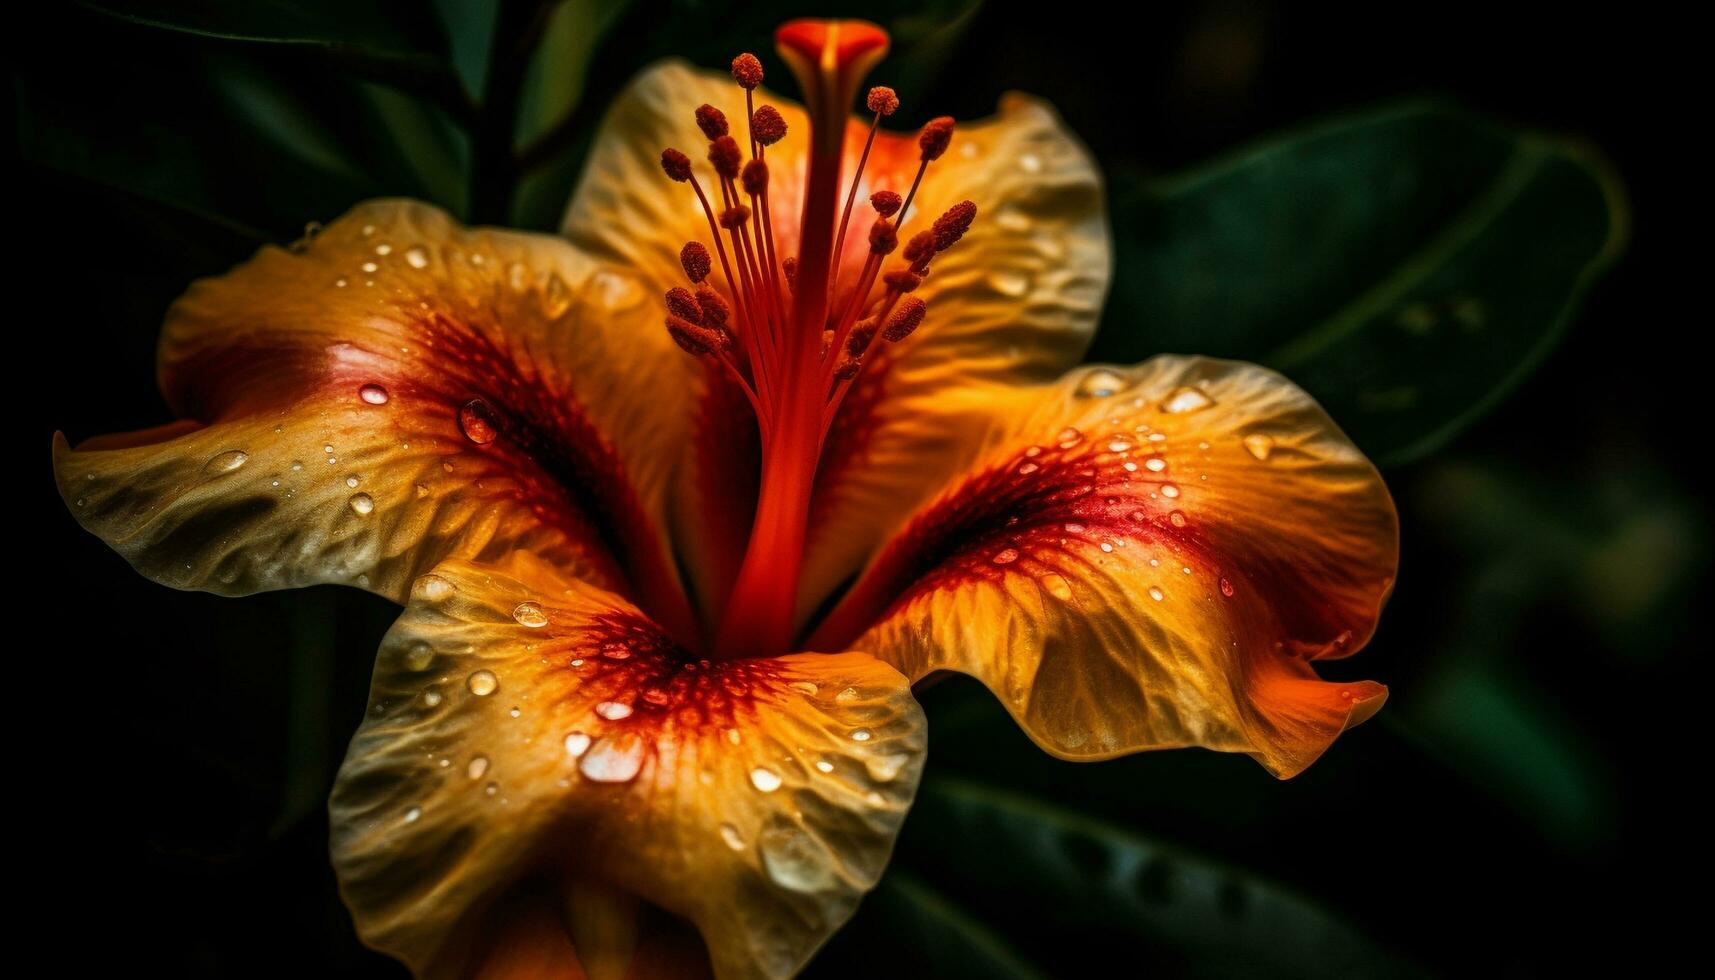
<point>1155,593</point>
<point>374,394</point>
<point>1177,519</point>
<point>1069,437</point>
<point>613,710</point>
<point>1118,445</point>
<point>414,814</point>
<point>477,767</point>
<point>765,779</point>
<point>483,683</point>
<point>824,766</point>
<point>613,759</point>
<point>885,768</point>
<point>362,503</point>
<point>1169,490</point>
<point>1100,384</point>
<point>794,859</point>
<point>226,462</point>
<point>1259,445</point>
<point>530,614</point>
<point>419,655</point>
<point>1226,588</point>
<point>1006,557</point>
<point>577,743</point>
<point>431,697</point>
<point>1155,464</point>
<point>847,695</point>
<point>807,687</point>
<point>732,837</point>
<point>432,587</point>
<point>478,423</point>
<point>861,735</point>
<point>1186,398</point>
<point>417,256</point>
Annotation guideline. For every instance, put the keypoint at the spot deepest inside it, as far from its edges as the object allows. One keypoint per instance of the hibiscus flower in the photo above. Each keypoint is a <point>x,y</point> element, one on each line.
<point>681,504</point>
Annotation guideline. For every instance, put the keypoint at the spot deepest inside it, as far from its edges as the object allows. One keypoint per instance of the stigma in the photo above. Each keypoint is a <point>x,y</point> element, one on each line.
<point>794,332</point>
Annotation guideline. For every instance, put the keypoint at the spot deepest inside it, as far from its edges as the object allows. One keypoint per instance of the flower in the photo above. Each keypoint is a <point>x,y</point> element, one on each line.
<point>670,569</point>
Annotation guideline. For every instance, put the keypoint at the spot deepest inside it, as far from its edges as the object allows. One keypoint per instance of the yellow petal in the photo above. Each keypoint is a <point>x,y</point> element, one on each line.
<point>394,391</point>
<point>1016,300</point>
<point>1147,558</point>
<point>530,732</point>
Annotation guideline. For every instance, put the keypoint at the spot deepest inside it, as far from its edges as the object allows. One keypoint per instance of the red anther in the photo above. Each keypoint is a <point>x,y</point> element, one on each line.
<point>682,304</point>
<point>882,238</point>
<point>692,339</point>
<point>936,136</point>
<point>861,334</point>
<point>885,203</point>
<point>734,217</point>
<point>951,227</point>
<point>921,246</point>
<point>767,125</point>
<point>676,164</point>
<point>906,317</point>
<point>755,179</point>
<point>695,258</point>
<point>789,265</point>
<point>847,369</point>
<point>725,155</point>
<point>747,71</point>
<point>711,121</point>
<point>883,100</point>
<point>716,312</point>
<point>903,280</point>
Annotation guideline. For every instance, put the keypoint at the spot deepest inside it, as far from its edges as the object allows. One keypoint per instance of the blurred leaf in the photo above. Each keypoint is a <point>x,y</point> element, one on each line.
<point>1407,266</point>
<point>374,28</point>
<point>921,934</point>
<point>1074,894</point>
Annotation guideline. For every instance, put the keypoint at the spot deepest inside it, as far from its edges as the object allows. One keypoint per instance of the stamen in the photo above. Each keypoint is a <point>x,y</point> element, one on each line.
<point>676,164</point>
<point>936,136</point>
<point>905,319</point>
<point>755,178</point>
<point>725,155</point>
<point>695,260</point>
<point>951,227</point>
<point>767,126</point>
<point>747,71</point>
<point>885,203</point>
<point>682,304</point>
<point>882,101</point>
<point>711,121</point>
<point>903,280</point>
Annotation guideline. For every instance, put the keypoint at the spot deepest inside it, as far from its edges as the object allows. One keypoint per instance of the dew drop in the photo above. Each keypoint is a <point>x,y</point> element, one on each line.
<point>1026,468</point>
<point>374,394</point>
<point>417,256</point>
<point>1155,593</point>
<point>226,462</point>
<point>477,767</point>
<point>765,779</point>
<point>483,683</point>
<point>530,614</point>
<point>847,695</point>
<point>577,743</point>
<point>613,710</point>
<point>362,503</point>
<point>431,697</point>
<point>1226,588</point>
<point>1100,384</point>
<point>1169,491</point>
<point>1118,446</point>
<point>807,687</point>
<point>1006,557</point>
<point>1155,464</point>
<point>732,837</point>
<point>419,655</point>
<point>1186,398</point>
<point>1177,519</point>
<point>383,249</point>
<point>885,768</point>
<point>477,422</point>
<point>369,267</point>
<point>613,759</point>
<point>824,766</point>
<point>1031,163</point>
<point>1108,547</point>
<point>491,789</point>
<point>414,814</point>
<point>794,859</point>
<point>1259,445</point>
<point>1069,437</point>
<point>861,735</point>
<point>432,587</point>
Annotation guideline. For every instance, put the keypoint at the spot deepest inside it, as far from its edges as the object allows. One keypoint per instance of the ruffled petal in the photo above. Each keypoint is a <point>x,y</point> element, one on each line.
<point>394,391</point>
<point>538,742</point>
<point>1147,558</point>
<point>1015,301</point>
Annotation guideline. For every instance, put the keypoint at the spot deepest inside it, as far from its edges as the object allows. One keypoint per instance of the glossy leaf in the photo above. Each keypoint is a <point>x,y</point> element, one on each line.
<point>1405,266</point>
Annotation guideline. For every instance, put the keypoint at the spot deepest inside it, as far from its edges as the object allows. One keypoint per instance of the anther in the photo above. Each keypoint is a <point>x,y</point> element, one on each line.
<point>755,179</point>
<point>716,312</point>
<point>695,258</point>
<point>905,318</point>
<point>936,136</point>
<point>789,265</point>
<point>694,340</point>
<point>747,71</point>
<point>951,227</point>
<point>711,121</point>
<point>920,247</point>
<point>734,217</point>
<point>903,280</point>
<point>883,100</point>
<point>725,155</point>
<point>767,126</point>
<point>676,164</point>
<point>682,304</point>
<point>847,369</point>
<point>885,203</point>
<point>882,238</point>
<point>861,334</point>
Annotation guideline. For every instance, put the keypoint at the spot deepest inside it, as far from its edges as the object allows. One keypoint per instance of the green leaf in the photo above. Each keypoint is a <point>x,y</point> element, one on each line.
<point>1042,890</point>
<point>373,27</point>
<point>1407,266</point>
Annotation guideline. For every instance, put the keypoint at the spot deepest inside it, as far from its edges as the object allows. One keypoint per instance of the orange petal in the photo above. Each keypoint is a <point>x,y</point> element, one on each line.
<point>1016,300</point>
<point>530,733</point>
<point>1147,558</point>
<point>394,391</point>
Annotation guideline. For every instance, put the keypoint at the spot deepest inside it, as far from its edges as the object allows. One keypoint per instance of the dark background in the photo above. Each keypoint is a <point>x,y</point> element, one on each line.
<point>1519,807</point>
